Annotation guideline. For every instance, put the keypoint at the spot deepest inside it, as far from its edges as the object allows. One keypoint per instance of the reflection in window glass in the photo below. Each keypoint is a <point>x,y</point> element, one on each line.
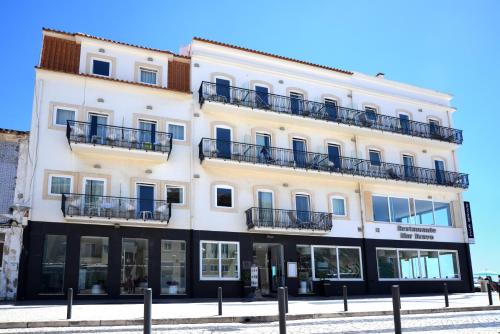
<point>380,209</point>
<point>325,262</point>
<point>423,212</point>
<point>408,262</point>
<point>448,264</point>
<point>229,260</point>
<point>134,271</point>
<point>442,214</point>
<point>429,264</point>
<point>173,267</point>
<point>53,263</point>
<point>400,210</point>
<point>387,260</point>
<point>304,269</point>
<point>93,278</point>
<point>209,260</point>
<point>349,263</point>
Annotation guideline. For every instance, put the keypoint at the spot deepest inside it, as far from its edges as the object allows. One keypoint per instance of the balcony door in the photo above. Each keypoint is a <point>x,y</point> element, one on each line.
<point>440,175</point>
<point>262,97</point>
<point>408,166</point>
<point>299,152</point>
<point>296,103</point>
<point>147,134</point>
<point>265,202</point>
<point>331,109</point>
<point>404,123</point>
<point>334,156</point>
<point>263,142</point>
<point>97,129</point>
<point>222,89</point>
<point>145,200</point>
<point>303,208</point>
<point>94,190</point>
<point>223,139</point>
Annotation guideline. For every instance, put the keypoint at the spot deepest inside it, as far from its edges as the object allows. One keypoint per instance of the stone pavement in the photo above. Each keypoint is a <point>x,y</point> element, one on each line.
<point>444,323</point>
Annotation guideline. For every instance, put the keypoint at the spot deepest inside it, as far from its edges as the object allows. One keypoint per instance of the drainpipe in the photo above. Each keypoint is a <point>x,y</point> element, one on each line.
<point>363,240</point>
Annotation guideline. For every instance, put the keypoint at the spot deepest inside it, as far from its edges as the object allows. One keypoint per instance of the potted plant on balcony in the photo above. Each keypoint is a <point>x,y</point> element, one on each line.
<point>172,287</point>
<point>248,289</point>
<point>147,146</point>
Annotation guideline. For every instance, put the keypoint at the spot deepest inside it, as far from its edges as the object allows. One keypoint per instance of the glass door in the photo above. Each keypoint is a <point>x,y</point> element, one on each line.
<point>331,109</point>
<point>222,89</point>
<point>334,156</point>
<point>145,201</point>
<point>297,103</point>
<point>404,122</point>
<point>223,138</point>
<point>147,134</point>
<point>263,141</point>
<point>408,166</point>
<point>94,192</point>
<point>440,175</point>
<point>299,152</point>
<point>262,97</point>
<point>97,129</point>
<point>265,199</point>
<point>303,208</point>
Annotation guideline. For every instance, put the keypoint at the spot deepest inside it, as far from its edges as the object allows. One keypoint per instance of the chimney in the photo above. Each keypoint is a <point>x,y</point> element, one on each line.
<point>380,75</point>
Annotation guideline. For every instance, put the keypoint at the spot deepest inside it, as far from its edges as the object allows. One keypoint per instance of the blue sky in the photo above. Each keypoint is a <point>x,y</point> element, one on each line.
<point>450,46</point>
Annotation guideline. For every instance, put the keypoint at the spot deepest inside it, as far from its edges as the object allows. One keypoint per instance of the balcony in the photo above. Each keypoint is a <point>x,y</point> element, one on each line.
<point>279,219</point>
<point>315,110</point>
<point>89,138</point>
<point>320,162</point>
<point>112,209</point>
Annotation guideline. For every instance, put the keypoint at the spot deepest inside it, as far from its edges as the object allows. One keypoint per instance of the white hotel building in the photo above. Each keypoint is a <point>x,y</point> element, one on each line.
<point>187,172</point>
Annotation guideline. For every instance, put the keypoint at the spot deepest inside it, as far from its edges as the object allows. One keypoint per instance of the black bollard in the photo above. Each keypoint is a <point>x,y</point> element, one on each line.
<point>446,302</point>
<point>219,296</point>
<point>148,304</point>
<point>286,299</point>
<point>344,292</point>
<point>281,309</point>
<point>490,297</point>
<point>396,309</point>
<point>70,303</point>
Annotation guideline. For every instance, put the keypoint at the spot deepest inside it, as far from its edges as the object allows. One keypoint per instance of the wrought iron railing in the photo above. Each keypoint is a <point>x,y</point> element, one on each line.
<point>288,219</point>
<point>282,157</point>
<point>288,105</point>
<point>92,206</point>
<point>118,136</point>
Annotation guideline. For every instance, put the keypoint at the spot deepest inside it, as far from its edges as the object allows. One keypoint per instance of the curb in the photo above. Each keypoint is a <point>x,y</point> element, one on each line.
<point>234,319</point>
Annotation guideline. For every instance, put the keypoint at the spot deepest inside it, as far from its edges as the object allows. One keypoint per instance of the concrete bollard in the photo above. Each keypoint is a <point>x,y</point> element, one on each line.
<point>344,293</point>
<point>490,297</point>
<point>148,305</point>
<point>446,302</point>
<point>70,303</point>
<point>281,309</point>
<point>286,299</point>
<point>219,297</point>
<point>396,309</point>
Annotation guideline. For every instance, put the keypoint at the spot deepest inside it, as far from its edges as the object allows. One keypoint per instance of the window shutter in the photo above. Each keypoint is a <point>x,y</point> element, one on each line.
<point>368,206</point>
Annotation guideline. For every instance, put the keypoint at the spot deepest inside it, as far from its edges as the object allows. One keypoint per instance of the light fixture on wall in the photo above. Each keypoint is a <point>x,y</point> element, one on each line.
<point>196,65</point>
<point>148,171</point>
<point>424,151</point>
<point>101,50</point>
<point>150,58</point>
<point>196,114</point>
<point>282,128</point>
<point>97,166</point>
<point>420,110</point>
<point>100,100</point>
<point>285,185</point>
<point>281,81</point>
<point>196,176</point>
<point>149,107</point>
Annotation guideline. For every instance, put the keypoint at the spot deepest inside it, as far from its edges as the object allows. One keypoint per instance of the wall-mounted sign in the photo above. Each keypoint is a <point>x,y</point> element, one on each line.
<point>468,222</point>
<point>254,276</point>
<point>291,269</point>
<point>416,233</point>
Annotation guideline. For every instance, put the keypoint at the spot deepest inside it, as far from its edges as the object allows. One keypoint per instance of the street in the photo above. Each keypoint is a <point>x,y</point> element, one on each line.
<point>443,323</point>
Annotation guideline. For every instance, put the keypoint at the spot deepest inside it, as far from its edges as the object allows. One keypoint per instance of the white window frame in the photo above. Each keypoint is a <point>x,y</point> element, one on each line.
<point>223,186</point>
<point>49,186</point>
<point>103,60</point>
<point>379,155</point>
<point>54,118</point>
<point>419,264</point>
<point>313,266</point>
<point>345,206</point>
<point>183,202</point>
<point>183,130</point>
<point>267,191</point>
<point>390,211</point>
<point>219,255</point>
<point>149,69</point>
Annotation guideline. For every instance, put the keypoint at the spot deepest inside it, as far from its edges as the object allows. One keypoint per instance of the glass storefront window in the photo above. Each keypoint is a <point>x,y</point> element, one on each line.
<point>400,210</point>
<point>53,264</point>
<point>349,263</point>
<point>442,214</point>
<point>423,212</point>
<point>304,269</point>
<point>93,275</point>
<point>387,260</point>
<point>134,271</point>
<point>380,209</point>
<point>229,260</point>
<point>209,260</point>
<point>429,264</point>
<point>220,260</point>
<point>449,264</point>
<point>408,262</point>
<point>173,267</point>
<point>325,262</point>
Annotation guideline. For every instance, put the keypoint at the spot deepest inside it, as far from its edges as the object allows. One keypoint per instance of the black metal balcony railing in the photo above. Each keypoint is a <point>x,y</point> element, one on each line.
<point>115,207</point>
<point>118,136</point>
<point>288,219</point>
<point>282,157</point>
<point>288,105</point>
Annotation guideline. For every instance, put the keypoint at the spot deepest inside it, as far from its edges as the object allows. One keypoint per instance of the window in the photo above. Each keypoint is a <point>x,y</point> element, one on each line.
<point>220,260</point>
<point>148,76</point>
<point>413,264</point>
<point>147,133</point>
<point>424,212</point>
<point>325,263</point>
<point>338,206</point>
<point>442,214</point>
<point>93,275</point>
<point>63,116</point>
<point>53,264</point>
<point>222,88</point>
<point>60,185</point>
<point>134,270</point>
<point>331,109</point>
<point>349,263</point>
<point>175,194</point>
<point>371,113</point>
<point>223,196</point>
<point>178,131</point>
<point>262,97</point>
<point>380,209</point>
<point>408,165</point>
<point>400,210</point>
<point>332,262</point>
<point>404,122</point>
<point>173,267</point>
<point>375,159</point>
<point>2,243</point>
<point>101,67</point>
<point>304,269</point>
<point>296,103</point>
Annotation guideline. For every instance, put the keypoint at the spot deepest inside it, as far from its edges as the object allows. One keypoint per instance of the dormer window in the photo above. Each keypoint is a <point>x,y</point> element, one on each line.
<point>148,76</point>
<point>101,67</point>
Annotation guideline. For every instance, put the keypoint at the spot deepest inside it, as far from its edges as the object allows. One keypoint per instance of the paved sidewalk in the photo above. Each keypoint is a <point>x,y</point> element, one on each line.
<point>23,312</point>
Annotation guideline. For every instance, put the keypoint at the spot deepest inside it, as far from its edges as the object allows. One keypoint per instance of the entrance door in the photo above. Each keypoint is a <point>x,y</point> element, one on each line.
<point>223,137</point>
<point>269,259</point>
<point>145,200</point>
<point>97,130</point>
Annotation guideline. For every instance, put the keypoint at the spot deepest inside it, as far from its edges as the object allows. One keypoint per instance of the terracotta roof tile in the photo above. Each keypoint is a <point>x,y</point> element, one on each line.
<point>271,55</point>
